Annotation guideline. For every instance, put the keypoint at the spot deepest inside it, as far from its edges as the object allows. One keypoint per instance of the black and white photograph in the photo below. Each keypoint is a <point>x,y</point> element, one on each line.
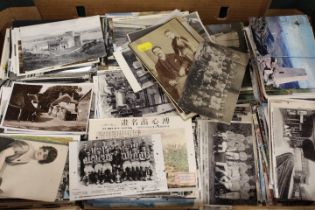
<point>194,21</point>
<point>176,139</point>
<point>231,163</point>
<point>26,168</point>
<point>293,149</point>
<point>215,77</point>
<point>60,43</point>
<point>62,108</point>
<point>115,98</point>
<point>116,167</point>
<point>228,35</point>
<point>123,25</point>
<point>168,52</point>
<point>137,76</point>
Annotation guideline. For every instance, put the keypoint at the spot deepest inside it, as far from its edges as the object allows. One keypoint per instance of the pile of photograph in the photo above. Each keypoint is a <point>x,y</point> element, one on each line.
<point>155,109</point>
<point>281,66</point>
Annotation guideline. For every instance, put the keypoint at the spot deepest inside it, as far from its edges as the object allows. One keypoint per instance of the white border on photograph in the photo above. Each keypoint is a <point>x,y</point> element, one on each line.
<point>35,181</point>
<point>273,124</point>
<point>16,130</point>
<point>80,192</point>
<point>39,30</point>
<point>106,129</point>
<point>136,87</point>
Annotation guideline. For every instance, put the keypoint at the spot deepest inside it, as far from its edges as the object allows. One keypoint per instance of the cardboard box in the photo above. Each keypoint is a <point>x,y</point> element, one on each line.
<point>210,11</point>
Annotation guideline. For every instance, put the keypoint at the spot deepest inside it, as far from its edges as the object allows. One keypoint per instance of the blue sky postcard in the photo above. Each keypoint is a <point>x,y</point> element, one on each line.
<point>285,53</point>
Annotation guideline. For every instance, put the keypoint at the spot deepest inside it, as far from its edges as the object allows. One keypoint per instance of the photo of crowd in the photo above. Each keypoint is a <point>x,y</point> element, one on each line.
<point>112,161</point>
<point>232,174</point>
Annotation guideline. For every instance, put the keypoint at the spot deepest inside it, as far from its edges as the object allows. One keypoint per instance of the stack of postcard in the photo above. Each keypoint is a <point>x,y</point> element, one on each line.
<point>283,56</point>
<point>285,150</point>
<point>152,109</point>
<point>282,51</point>
<point>56,83</point>
<point>196,75</point>
<point>35,51</point>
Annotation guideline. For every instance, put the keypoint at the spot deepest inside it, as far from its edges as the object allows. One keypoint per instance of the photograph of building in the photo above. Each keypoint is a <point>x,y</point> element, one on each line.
<point>49,107</point>
<point>65,44</point>
<point>294,153</point>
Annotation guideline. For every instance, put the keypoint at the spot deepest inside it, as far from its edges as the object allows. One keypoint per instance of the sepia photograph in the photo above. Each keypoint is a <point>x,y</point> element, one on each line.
<point>292,134</point>
<point>62,108</point>
<point>168,53</point>
<point>137,76</point>
<point>67,42</point>
<point>25,168</point>
<point>115,98</point>
<point>215,77</point>
<point>117,167</point>
<point>230,156</point>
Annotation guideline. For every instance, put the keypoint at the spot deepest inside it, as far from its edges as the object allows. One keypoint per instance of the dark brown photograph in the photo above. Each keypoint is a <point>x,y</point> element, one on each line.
<point>168,53</point>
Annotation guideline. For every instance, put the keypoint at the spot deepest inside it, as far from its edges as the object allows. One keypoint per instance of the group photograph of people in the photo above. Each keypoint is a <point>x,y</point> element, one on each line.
<point>110,161</point>
<point>233,165</point>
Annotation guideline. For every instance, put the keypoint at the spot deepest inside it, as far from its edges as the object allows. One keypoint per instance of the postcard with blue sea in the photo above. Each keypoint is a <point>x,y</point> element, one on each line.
<point>285,52</point>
